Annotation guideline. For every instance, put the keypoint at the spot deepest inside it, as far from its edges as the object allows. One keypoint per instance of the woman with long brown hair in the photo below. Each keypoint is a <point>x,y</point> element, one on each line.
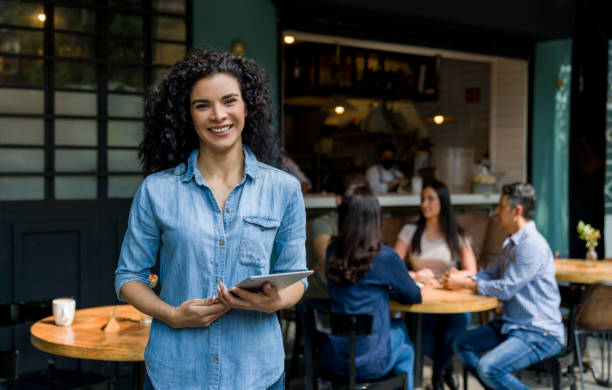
<point>363,274</point>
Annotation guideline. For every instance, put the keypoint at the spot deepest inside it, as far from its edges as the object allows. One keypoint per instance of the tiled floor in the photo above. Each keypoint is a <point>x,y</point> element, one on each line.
<point>530,379</point>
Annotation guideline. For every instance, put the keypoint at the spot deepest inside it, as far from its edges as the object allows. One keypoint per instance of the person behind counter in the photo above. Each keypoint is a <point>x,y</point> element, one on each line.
<point>323,228</point>
<point>363,274</point>
<point>383,177</point>
<point>435,245</point>
<point>215,215</point>
<point>523,278</point>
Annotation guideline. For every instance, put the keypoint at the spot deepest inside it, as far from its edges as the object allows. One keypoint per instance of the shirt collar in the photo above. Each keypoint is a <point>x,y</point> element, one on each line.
<point>192,171</point>
<point>525,231</point>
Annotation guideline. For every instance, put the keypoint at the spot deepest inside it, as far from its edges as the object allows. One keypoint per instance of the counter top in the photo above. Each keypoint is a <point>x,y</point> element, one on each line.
<point>327,201</point>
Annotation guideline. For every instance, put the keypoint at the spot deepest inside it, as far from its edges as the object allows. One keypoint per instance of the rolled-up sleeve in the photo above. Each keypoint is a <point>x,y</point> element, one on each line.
<point>141,242</point>
<point>290,241</point>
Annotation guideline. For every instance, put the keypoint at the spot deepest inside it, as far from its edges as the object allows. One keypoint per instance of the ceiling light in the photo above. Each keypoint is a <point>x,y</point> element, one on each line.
<point>289,39</point>
<point>339,110</point>
<point>42,17</point>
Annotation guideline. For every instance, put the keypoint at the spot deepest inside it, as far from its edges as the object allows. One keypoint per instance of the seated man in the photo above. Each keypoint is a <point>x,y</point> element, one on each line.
<point>523,278</point>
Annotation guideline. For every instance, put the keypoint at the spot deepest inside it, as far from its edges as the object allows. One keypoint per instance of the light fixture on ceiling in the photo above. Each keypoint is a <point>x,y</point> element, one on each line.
<point>42,17</point>
<point>439,118</point>
<point>340,105</point>
<point>289,39</point>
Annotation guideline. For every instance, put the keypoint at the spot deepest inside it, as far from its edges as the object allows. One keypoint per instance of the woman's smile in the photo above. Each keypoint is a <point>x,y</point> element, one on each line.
<point>220,130</point>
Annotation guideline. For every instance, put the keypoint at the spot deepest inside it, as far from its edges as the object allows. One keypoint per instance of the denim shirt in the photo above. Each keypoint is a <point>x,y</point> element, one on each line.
<point>523,277</point>
<point>387,278</point>
<point>175,214</point>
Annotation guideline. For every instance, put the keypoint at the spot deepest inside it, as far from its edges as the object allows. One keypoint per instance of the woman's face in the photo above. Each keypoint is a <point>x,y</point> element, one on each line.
<point>430,203</point>
<point>218,111</point>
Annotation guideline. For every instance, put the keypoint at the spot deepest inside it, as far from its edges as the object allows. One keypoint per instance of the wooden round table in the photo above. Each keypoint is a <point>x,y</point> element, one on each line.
<point>439,301</point>
<point>86,339</point>
<point>580,271</point>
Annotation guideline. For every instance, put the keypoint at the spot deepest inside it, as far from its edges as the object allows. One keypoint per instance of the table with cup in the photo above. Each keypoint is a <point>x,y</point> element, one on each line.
<point>111,333</point>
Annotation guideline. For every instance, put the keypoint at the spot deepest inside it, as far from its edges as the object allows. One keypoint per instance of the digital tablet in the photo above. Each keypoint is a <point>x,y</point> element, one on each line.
<point>279,281</point>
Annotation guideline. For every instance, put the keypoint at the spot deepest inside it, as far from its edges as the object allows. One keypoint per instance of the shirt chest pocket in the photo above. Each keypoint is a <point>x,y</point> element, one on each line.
<point>257,240</point>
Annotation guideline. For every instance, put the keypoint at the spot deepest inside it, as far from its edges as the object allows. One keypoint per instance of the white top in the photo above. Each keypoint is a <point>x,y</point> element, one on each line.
<point>435,255</point>
<point>378,177</point>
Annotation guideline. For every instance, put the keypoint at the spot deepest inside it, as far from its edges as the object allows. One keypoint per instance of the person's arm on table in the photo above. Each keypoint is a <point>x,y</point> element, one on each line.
<point>520,271</point>
<point>403,288</point>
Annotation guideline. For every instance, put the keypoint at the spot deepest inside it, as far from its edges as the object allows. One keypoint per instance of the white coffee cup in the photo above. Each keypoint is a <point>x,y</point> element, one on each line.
<point>63,311</point>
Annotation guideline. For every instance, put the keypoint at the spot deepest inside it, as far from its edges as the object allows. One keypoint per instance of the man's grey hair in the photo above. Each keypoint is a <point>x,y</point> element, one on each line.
<point>521,194</point>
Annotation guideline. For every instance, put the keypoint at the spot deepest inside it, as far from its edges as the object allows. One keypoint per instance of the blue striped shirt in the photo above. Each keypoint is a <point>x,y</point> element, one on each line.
<point>523,277</point>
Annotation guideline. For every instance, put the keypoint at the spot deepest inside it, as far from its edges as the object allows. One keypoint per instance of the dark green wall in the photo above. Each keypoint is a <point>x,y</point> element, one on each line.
<point>550,140</point>
<point>216,24</point>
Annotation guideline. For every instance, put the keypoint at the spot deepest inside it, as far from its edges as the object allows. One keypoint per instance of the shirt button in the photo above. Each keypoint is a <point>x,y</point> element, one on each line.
<point>228,210</point>
<point>263,228</point>
<point>221,242</point>
<point>215,358</point>
<point>218,281</point>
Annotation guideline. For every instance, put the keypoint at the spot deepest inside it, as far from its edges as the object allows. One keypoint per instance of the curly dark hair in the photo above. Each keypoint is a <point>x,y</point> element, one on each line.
<point>169,135</point>
<point>359,237</point>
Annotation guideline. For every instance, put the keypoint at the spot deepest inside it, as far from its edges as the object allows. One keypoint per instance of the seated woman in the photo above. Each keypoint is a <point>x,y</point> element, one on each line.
<point>362,276</point>
<point>434,246</point>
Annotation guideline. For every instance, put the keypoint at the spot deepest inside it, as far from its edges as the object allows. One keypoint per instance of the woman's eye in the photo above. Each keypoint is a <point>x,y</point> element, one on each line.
<point>230,101</point>
<point>201,106</point>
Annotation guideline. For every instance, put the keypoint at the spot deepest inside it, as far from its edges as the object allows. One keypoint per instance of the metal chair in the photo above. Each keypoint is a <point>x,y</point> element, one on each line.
<point>595,319</point>
<point>351,325</point>
<point>51,378</point>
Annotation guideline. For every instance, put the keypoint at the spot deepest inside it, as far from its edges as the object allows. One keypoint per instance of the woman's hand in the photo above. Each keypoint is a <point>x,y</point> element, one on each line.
<point>424,275</point>
<point>268,300</point>
<point>196,313</point>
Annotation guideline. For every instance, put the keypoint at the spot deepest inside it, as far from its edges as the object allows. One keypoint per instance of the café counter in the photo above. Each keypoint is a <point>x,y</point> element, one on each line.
<point>328,201</point>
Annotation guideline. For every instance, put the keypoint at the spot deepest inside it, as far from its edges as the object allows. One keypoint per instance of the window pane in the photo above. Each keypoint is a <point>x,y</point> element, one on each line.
<point>22,160</point>
<point>169,28</point>
<point>76,103</point>
<point>123,161</point>
<point>22,101</point>
<point>125,105</point>
<point>21,71</point>
<point>69,45</point>
<point>77,19</point>
<point>125,25</point>
<point>21,41</point>
<point>76,187</point>
<point>76,132</point>
<point>167,53</point>
<point>75,75</point>
<point>125,49</point>
<point>124,133</point>
<point>22,188</point>
<point>123,186</point>
<point>75,160</point>
<point>174,6</point>
<point>22,131</point>
<point>125,79</point>
<point>21,14</point>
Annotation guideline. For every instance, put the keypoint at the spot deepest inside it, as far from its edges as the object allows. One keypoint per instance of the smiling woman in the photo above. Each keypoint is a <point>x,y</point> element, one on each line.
<point>215,215</point>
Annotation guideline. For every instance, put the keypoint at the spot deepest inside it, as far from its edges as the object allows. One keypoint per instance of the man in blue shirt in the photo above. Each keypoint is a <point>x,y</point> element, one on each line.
<point>523,278</point>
